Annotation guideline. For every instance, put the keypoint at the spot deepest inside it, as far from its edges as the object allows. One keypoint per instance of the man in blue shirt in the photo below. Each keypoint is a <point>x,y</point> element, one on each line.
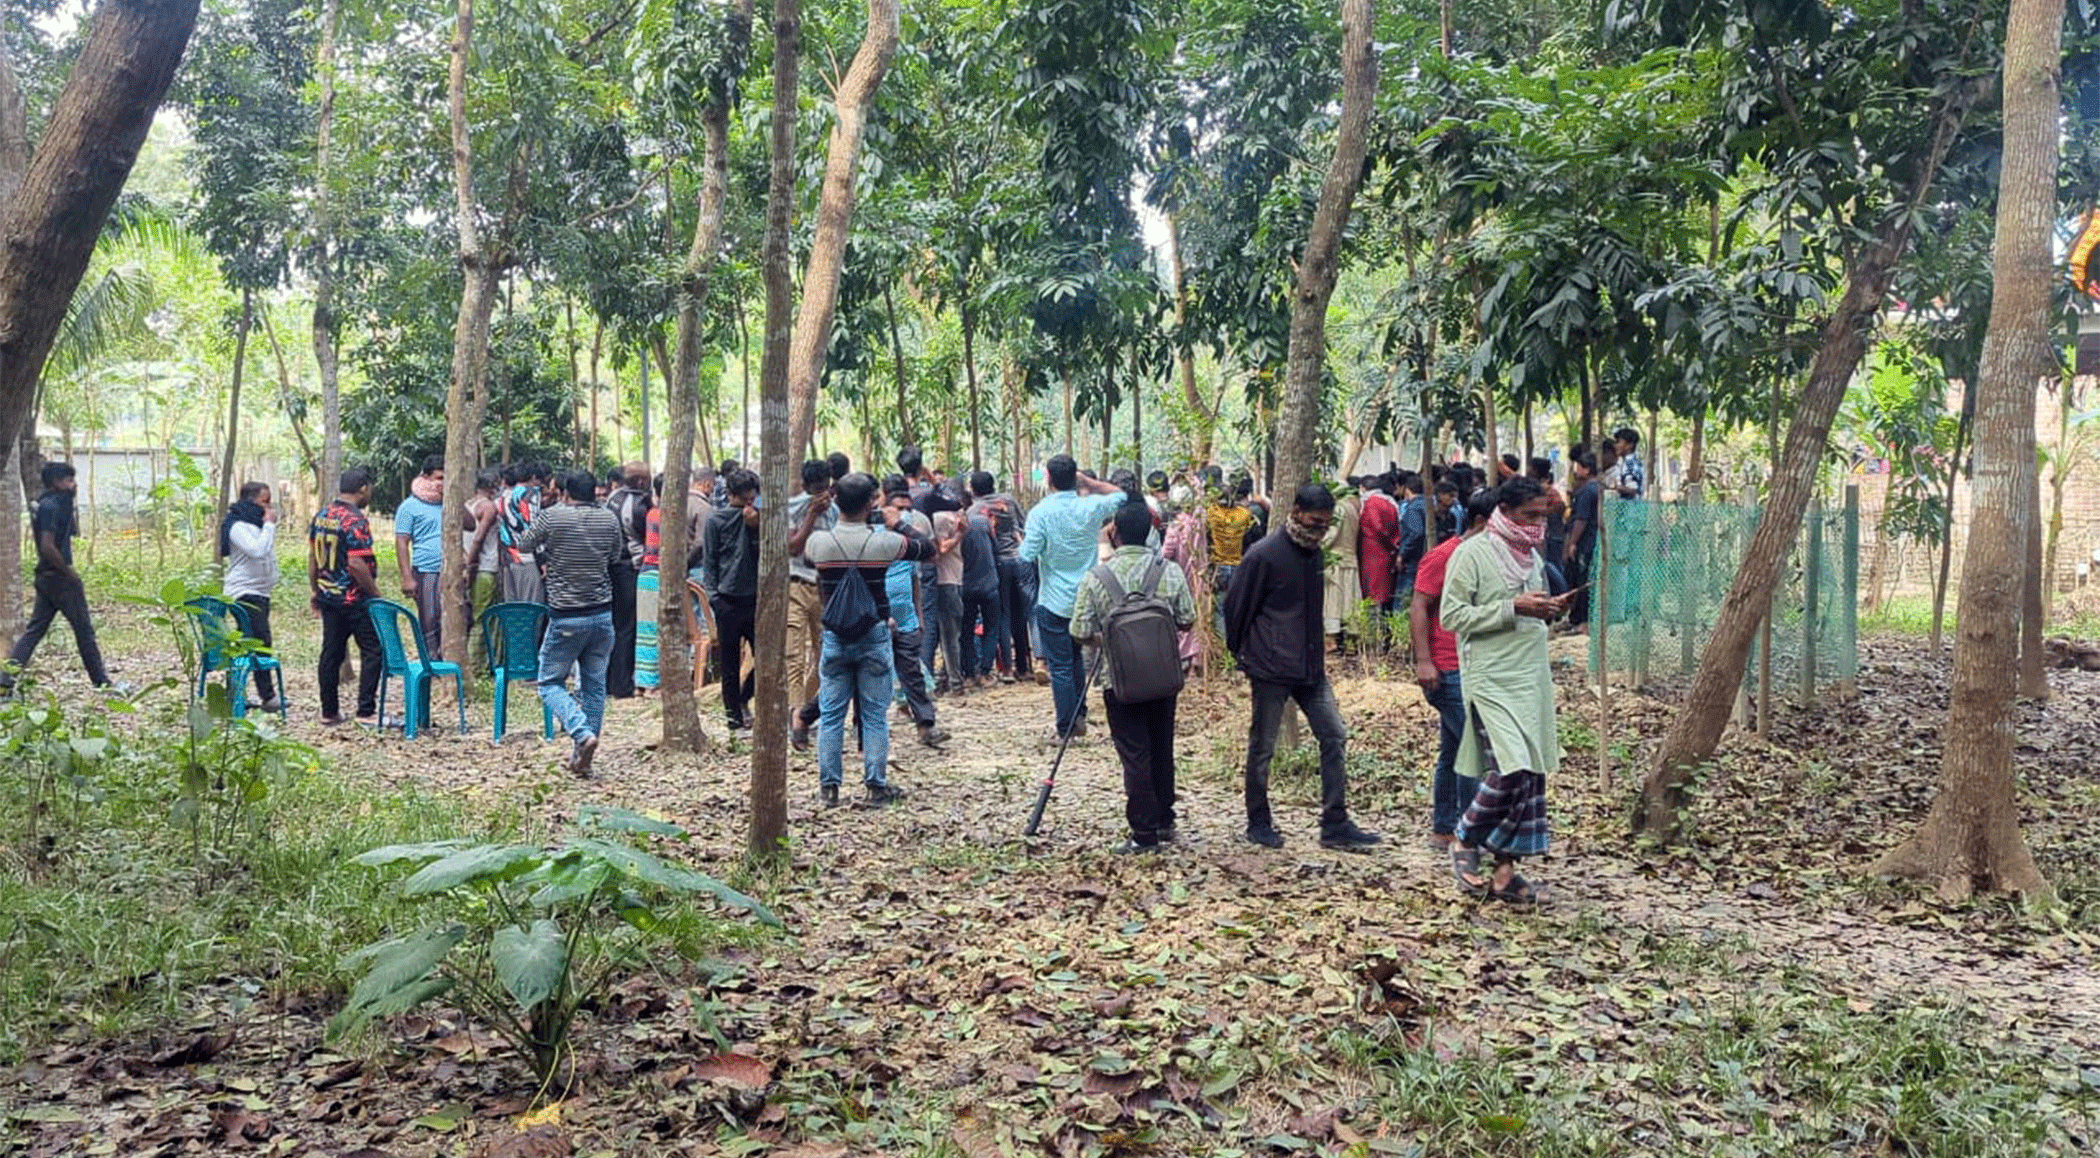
<point>1627,477</point>
<point>1063,531</point>
<point>419,547</point>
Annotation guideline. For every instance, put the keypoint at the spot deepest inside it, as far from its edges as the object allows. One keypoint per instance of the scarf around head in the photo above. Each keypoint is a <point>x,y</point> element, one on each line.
<point>243,511</point>
<point>1517,548</point>
<point>1306,539</point>
<point>428,489</point>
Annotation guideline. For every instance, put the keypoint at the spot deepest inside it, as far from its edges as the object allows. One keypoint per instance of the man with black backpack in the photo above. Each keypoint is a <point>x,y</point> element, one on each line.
<point>1135,606</point>
<point>851,560</point>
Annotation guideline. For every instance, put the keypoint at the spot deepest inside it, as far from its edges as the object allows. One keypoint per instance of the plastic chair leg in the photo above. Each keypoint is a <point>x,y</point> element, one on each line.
<point>411,698</point>
<point>459,698</point>
<point>237,687</point>
<point>502,712</point>
<point>547,724</point>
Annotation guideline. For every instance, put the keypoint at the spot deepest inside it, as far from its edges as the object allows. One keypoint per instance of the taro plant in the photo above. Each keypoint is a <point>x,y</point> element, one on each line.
<point>531,934</point>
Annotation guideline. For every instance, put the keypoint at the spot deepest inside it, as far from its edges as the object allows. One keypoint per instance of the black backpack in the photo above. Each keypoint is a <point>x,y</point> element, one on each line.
<point>1140,642</point>
<point>850,612</point>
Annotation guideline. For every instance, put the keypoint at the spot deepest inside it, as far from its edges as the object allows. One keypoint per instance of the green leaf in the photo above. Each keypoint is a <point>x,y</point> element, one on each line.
<point>90,747</point>
<point>399,978</point>
<point>488,860</point>
<point>395,853</point>
<point>530,962</point>
<point>643,867</point>
<point>570,882</point>
<point>624,820</point>
<point>1502,1124</point>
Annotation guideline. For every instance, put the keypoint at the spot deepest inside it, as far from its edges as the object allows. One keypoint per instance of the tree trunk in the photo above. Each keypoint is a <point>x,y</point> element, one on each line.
<point>682,730</point>
<point>326,326</point>
<point>287,398</point>
<point>14,163</point>
<point>969,338</point>
<point>1695,459</point>
<point>1946,543</point>
<point>233,406</point>
<point>2060,465</point>
<point>1696,730</point>
<point>889,309</point>
<point>827,249</point>
<point>49,228</point>
<point>769,740</point>
<point>2034,665</point>
<point>1970,839</point>
<point>1299,416</point>
<point>1185,356</point>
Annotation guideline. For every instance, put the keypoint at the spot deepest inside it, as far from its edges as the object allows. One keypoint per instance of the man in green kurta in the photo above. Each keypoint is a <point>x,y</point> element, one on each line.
<point>1495,602</point>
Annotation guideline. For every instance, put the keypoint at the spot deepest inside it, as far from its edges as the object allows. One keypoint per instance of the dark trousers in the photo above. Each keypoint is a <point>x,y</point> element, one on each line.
<point>619,673</point>
<point>340,624</point>
<point>736,624</point>
<point>1325,717</point>
<point>1017,600</point>
<point>904,654</point>
<point>957,660</point>
<point>58,595</point>
<point>929,609</point>
<point>259,630</point>
<point>981,608</point>
<point>1449,792</point>
<point>1576,573</point>
<point>1144,739</point>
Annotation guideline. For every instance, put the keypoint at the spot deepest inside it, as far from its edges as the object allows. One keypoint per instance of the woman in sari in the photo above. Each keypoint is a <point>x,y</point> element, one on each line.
<point>1495,602</point>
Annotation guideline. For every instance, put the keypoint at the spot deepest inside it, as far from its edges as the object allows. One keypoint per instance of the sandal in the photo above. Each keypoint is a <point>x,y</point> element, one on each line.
<point>1465,863</point>
<point>1517,892</point>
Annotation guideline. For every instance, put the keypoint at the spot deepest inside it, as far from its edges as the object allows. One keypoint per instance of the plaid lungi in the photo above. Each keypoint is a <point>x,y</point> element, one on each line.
<point>1508,813</point>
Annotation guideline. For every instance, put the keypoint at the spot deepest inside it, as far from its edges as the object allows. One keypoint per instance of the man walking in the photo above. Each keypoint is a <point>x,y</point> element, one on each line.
<point>582,542</point>
<point>1141,727</point>
<point>59,590</point>
<point>805,632</point>
<point>857,665</point>
<point>1062,532</point>
<point>339,569</point>
<point>732,585</point>
<point>419,548</point>
<point>630,505</point>
<point>1273,628</point>
<point>1016,578</point>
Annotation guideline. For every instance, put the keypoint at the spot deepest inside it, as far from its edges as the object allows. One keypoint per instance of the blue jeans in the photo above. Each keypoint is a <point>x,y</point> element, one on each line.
<point>584,642</point>
<point>1449,792</point>
<point>1061,656</point>
<point>857,670</point>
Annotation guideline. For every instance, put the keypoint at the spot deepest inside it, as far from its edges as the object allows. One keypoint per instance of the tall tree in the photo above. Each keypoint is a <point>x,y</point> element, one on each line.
<point>1305,367</point>
<point>14,164</point>
<point>1970,838</point>
<point>851,103</point>
<point>326,325</point>
<point>49,227</point>
<point>1813,86</point>
<point>775,449</point>
<point>682,730</point>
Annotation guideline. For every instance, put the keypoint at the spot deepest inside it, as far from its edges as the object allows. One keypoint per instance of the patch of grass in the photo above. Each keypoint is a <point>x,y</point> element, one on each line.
<point>1786,1072</point>
<point>125,929</point>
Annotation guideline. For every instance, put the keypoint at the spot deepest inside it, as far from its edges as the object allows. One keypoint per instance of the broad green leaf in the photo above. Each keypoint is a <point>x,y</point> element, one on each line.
<point>624,820</point>
<point>488,860</point>
<point>571,882</point>
<point>648,869</point>
<point>530,962</point>
<point>90,747</point>
<point>395,853</point>
<point>399,977</point>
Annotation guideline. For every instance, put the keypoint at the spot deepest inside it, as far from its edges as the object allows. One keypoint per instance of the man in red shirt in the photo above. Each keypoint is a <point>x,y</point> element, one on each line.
<point>1436,670</point>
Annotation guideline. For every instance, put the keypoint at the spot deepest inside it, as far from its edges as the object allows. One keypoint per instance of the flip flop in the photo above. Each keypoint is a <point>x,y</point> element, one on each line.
<point>1464,863</point>
<point>1517,892</point>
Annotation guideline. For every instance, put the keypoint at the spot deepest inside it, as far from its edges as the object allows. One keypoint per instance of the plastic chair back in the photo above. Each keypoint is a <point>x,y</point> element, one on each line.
<point>513,634</point>
<point>216,622</point>
<point>386,621</point>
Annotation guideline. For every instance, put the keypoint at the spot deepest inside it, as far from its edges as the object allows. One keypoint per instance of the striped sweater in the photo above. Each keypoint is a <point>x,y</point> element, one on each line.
<point>582,543</point>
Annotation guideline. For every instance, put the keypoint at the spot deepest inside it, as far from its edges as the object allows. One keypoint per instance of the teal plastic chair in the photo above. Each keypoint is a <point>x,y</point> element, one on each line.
<point>415,673</point>
<point>513,632</point>
<point>255,661</point>
<point>214,622</point>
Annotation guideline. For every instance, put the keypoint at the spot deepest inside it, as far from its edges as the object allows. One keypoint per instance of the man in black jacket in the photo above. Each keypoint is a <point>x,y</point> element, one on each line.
<point>1275,630</point>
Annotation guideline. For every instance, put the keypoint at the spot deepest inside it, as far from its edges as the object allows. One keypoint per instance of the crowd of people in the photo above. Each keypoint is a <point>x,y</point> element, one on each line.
<point>917,588</point>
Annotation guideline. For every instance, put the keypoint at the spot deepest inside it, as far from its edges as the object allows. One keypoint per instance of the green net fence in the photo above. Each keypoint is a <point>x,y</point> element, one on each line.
<point>1667,569</point>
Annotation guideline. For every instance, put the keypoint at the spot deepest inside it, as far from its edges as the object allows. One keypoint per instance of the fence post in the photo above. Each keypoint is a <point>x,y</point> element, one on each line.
<point>1811,575</point>
<point>1693,541</point>
<point>1849,606</point>
<point>1600,617</point>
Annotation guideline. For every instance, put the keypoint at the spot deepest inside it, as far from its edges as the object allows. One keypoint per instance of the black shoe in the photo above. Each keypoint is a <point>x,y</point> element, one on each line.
<point>1265,836</point>
<point>586,748</point>
<point>799,737</point>
<point>882,794</point>
<point>1350,838</point>
<point>828,795</point>
<point>1169,834</point>
<point>933,737</point>
<point>1132,848</point>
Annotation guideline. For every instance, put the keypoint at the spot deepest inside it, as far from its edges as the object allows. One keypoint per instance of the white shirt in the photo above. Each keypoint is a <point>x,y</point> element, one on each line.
<point>251,566</point>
